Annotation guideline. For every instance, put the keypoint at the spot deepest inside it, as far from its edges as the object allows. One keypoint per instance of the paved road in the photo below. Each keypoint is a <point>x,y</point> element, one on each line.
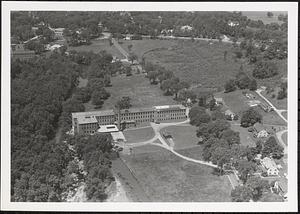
<point>278,111</point>
<point>279,136</point>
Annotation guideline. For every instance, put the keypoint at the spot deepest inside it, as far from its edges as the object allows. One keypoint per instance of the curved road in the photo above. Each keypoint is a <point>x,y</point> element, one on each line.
<point>165,145</point>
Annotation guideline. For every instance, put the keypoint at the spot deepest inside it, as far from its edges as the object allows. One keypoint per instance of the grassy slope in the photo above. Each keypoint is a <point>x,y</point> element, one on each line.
<point>167,178</point>
<point>97,46</point>
<point>138,88</point>
<point>262,15</point>
<point>138,135</point>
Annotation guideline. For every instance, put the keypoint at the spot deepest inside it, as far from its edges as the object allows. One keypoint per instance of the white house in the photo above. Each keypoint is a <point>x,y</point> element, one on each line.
<point>233,23</point>
<point>260,130</point>
<point>229,114</point>
<point>270,165</point>
<point>186,28</point>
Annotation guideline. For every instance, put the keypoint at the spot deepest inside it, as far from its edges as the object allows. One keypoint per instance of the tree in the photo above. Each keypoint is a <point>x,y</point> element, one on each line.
<point>257,186</point>
<point>230,86</point>
<point>184,95</point>
<point>132,57</point>
<point>218,115</point>
<point>270,14</point>
<point>241,194</point>
<point>252,85</point>
<point>272,148</point>
<point>123,103</point>
<point>246,169</point>
<point>264,70</point>
<point>97,98</point>
<point>220,156</point>
<point>231,136</point>
<point>82,94</point>
<point>242,80</point>
<point>250,117</point>
<point>152,75</point>
<point>212,104</point>
<point>271,197</point>
<point>198,115</point>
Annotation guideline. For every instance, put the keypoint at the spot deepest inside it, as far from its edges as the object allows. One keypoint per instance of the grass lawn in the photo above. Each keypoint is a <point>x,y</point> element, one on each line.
<point>262,15</point>
<point>270,118</point>
<point>285,114</point>
<point>145,149</point>
<point>198,62</point>
<point>168,178</point>
<point>184,136</point>
<point>235,101</point>
<point>140,91</point>
<point>138,135</point>
<point>280,104</point>
<point>97,46</point>
<point>139,47</point>
<point>246,137</point>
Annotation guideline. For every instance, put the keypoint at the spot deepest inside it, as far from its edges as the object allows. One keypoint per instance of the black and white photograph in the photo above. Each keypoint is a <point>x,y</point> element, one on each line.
<point>149,106</point>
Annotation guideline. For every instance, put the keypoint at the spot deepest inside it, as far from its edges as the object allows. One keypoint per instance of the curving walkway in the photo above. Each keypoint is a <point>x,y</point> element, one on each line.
<point>165,145</point>
<point>279,137</point>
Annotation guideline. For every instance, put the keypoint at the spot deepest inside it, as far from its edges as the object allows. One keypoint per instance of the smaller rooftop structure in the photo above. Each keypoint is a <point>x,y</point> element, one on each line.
<point>108,129</point>
<point>229,112</point>
<point>118,136</point>
<point>86,119</point>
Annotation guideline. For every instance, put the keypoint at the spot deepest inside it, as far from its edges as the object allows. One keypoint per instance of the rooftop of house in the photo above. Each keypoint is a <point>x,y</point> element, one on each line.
<point>258,127</point>
<point>136,110</point>
<point>268,163</point>
<point>228,112</point>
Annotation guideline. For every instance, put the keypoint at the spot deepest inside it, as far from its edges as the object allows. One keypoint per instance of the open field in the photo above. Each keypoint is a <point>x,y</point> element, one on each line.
<point>184,136</point>
<point>246,137</point>
<point>198,62</point>
<point>140,47</point>
<point>235,101</point>
<point>285,114</point>
<point>97,46</point>
<point>280,104</point>
<point>192,152</point>
<point>168,178</point>
<point>138,135</point>
<point>262,15</point>
<point>140,91</point>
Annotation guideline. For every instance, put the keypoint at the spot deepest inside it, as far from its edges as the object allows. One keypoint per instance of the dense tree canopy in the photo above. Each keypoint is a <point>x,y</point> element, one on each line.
<point>250,117</point>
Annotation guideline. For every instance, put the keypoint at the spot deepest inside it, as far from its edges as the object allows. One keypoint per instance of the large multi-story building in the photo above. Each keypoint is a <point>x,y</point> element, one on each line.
<point>89,122</point>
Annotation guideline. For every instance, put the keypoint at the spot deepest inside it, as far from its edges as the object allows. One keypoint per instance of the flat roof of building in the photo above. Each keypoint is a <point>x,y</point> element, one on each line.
<point>117,136</point>
<point>86,119</point>
<point>136,110</point>
<point>94,113</point>
<point>169,107</point>
<point>108,128</point>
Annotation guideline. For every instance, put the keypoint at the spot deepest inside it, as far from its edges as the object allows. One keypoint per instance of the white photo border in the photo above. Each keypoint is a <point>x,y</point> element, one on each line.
<point>290,7</point>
